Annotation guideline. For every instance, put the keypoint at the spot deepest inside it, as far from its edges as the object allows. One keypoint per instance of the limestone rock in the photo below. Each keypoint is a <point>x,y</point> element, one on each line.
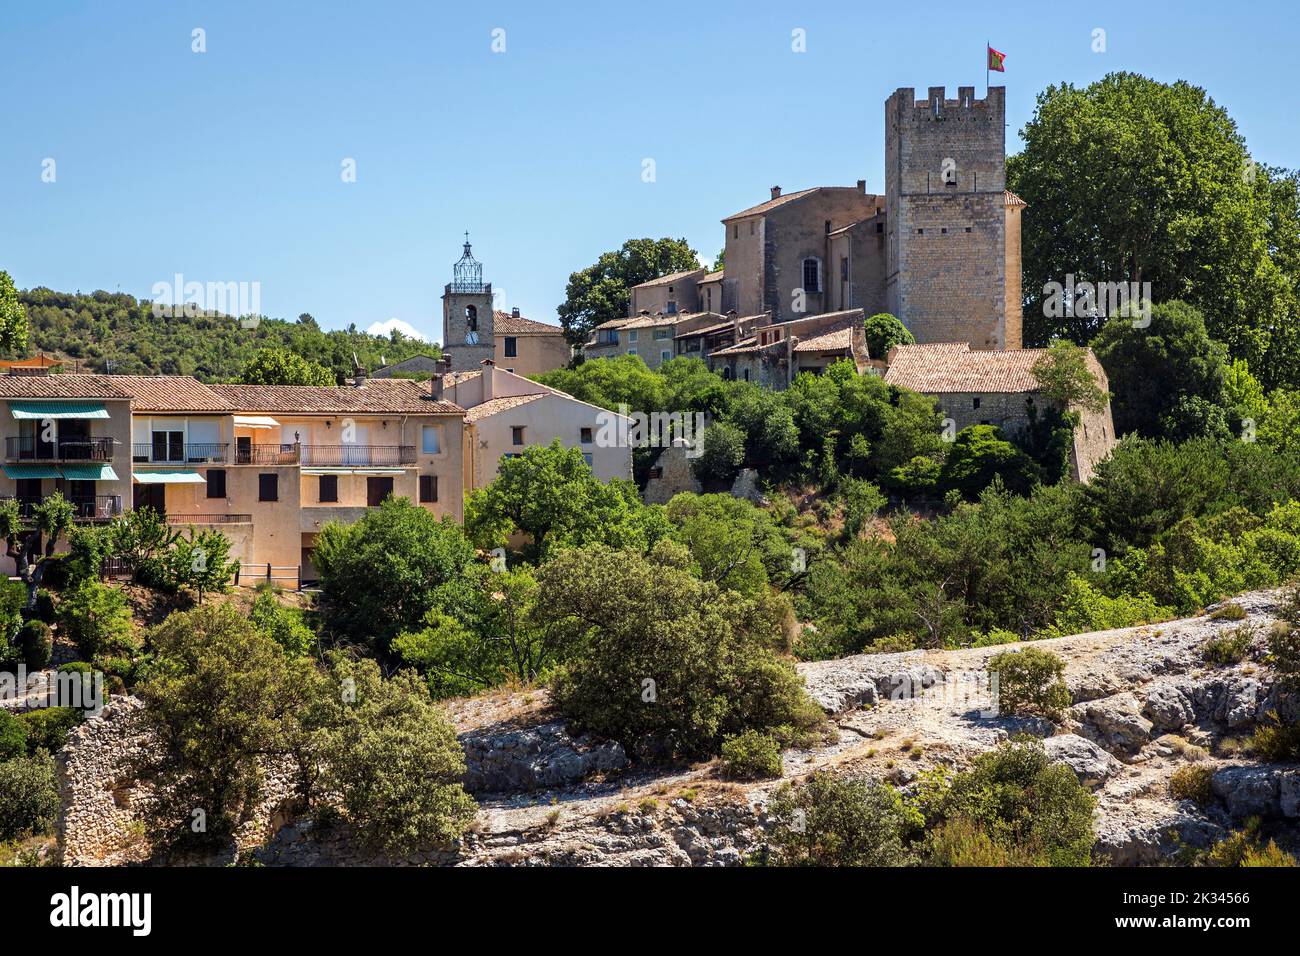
<point>1168,707</point>
<point>1118,721</point>
<point>1090,763</point>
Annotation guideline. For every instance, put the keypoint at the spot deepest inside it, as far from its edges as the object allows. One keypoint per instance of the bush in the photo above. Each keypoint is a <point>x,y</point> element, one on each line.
<point>47,728</point>
<point>284,625</point>
<point>1275,741</point>
<point>1034,809</point>
<point>1193,782</point>
<point>1029,682</point>
<point>722,453</point>
<point>1228,612</point>
<point>1230,648</point>
<point>35,642</point>
<point>751,756</point>
<point>96,618</point>
<point>1244,848</point>
<point>883,332</point>
<point>838,821</point>
<point>44,609</point>
<point>663,662</point>
<point>13,736</point>
<point>29,796</point>
<point>964,842</point>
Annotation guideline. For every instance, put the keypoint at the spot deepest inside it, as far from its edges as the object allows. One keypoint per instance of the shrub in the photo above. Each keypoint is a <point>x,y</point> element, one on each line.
<point>838,821</point>
<point>13,736</point>
<point>1243,848</point>
<point>29,796</point>
<point>96,617</point>
<point>1229,648</point>
<point>963,842</point>
<point>1029,682</point>
<point>1193,783</point>
<point>1284,653</point>
<point>722,452</point>
<point>47,727</point>
<point>1275,741</point>
<point>883,332</point>
<point>751,756</point>
<point>1228,612</point>
<point>1032,808</point>
<point>284,625</point>
<point>35,642</point>
<point>44,608</point>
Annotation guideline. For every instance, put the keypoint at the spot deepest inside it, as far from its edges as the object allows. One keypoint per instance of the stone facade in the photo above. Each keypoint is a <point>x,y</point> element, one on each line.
<point>945,184</point>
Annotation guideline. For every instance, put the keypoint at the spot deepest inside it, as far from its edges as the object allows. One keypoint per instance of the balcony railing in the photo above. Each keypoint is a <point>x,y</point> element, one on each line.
<point>201,453</point>
<point>209,519</point>
<point>266,453</point>
<point>86,507</point>
<point>358,455</point>
<point>31,448</point>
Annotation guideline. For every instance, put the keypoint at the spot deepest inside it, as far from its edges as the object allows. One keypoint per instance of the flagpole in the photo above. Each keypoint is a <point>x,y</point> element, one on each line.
<point>987,45</point>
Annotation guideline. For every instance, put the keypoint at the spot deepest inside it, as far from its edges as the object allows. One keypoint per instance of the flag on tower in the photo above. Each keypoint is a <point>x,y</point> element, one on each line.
<point>995,61</point>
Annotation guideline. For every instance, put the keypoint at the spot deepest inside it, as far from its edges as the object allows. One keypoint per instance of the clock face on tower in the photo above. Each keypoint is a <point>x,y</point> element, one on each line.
<point>471,338</point>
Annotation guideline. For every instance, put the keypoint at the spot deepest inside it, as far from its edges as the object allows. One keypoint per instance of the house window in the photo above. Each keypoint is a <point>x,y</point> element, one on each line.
<point>656,472</point>
<point>631,351</point>
<point>631,335</point>
<point>268,487</point>
<point>586,456</point>
<point>584,435</point>
<point>662,333</point>
<point>168,446</point>
<point>975,402</point>
<point>880,227</point>
<point>844,268</point>
<point>216,482</point>
<point>512,347</point>
<point>377,489</point>
<point>431,440</point>
<point>665,356</point>
<point>735,231</point>
<point>428,489</point>
<point>329,488</point>
<point>812,275</point>
<point>516,434</point>
<point>751,227</point>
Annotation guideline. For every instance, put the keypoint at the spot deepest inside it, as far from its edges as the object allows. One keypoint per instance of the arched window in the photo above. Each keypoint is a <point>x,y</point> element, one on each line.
<point>746,375</point>
<point>471,318</point>
<point>726,373</point>
<point>812,275</point>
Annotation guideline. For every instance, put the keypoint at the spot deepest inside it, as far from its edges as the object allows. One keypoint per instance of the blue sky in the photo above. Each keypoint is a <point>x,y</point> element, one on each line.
<point>225,165</point>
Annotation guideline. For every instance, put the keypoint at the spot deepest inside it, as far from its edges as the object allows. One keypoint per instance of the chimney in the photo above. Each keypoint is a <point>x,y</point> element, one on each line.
<point>489,371</point>
<point>435,387</point>
<point>514,313</point>
<point>735,326</point>
<point>862,186</point>
<point>359,377</point>
<point>776,192</point>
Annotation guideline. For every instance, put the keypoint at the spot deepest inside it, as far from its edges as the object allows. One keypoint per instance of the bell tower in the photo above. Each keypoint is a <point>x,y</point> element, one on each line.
<point>467,326</point>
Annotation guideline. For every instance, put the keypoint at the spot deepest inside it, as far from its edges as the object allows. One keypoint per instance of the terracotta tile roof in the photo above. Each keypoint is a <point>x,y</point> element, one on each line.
<point>378,395</point>
<point>62,386</point>
<point>653,321</point>
<point>749,344</point>
<point>706,330</point>
<point>503,323</point>
<point>714,276</point>
<point>954,367</point>
<point>671,277</point>
<point>171,393</point>
<point>494,406</point>
<point>771,204</point>
<point>833,341</point>
<point>1013,200</point>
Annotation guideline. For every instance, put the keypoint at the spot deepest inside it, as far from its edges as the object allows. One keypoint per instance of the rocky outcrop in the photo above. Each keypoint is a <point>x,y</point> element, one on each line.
<point>1268,792</point>
<point>1092,765</point>
<point>533,758</point>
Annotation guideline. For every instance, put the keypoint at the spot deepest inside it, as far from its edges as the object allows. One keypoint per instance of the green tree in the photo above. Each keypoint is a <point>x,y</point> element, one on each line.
<point>721,454</point>
<point>97,619</point>
<point>1066,380</point>
<point>1155,368</point>
<point>611,382</point>
<point>202,562</point>
<point>13,318</point>
<point>883,332</point>
<point>732,543</point>
<point>1133,180</point>
<point>662,661</point>
<point>220,698</point>
<point>31,544</point>
<point>282,367</point>
<point>979,454</point>
<point>29,796</point>
<point>828,820</point>
<point>381,575</point>
<point>549,494</point>
<point>600,292</point>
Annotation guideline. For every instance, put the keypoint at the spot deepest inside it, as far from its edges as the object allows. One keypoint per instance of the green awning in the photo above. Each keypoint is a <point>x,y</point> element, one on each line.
<point>40,410</point>
<point>99,472</point>
<point>170,477</point>
<point>31,471</point>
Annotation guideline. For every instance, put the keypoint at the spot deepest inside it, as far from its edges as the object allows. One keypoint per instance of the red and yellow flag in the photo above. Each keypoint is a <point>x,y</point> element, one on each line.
<point>995,61</point>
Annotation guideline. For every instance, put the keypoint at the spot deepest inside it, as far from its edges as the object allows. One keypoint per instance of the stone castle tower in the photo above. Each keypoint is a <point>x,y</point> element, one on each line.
<point>467,319</point>
<point>953,252</point>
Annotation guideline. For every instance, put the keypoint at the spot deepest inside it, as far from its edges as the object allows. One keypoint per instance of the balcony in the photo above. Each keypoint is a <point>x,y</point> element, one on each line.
<point>357,456</point>
<point>202,453</point>
<point>209,519</point>
<point>86,507</point>
<point>266,453</point>
<point>30,448</point>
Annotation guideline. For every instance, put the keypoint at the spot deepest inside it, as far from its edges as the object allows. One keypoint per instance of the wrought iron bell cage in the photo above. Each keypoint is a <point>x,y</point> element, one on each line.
<point>467,273</point>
